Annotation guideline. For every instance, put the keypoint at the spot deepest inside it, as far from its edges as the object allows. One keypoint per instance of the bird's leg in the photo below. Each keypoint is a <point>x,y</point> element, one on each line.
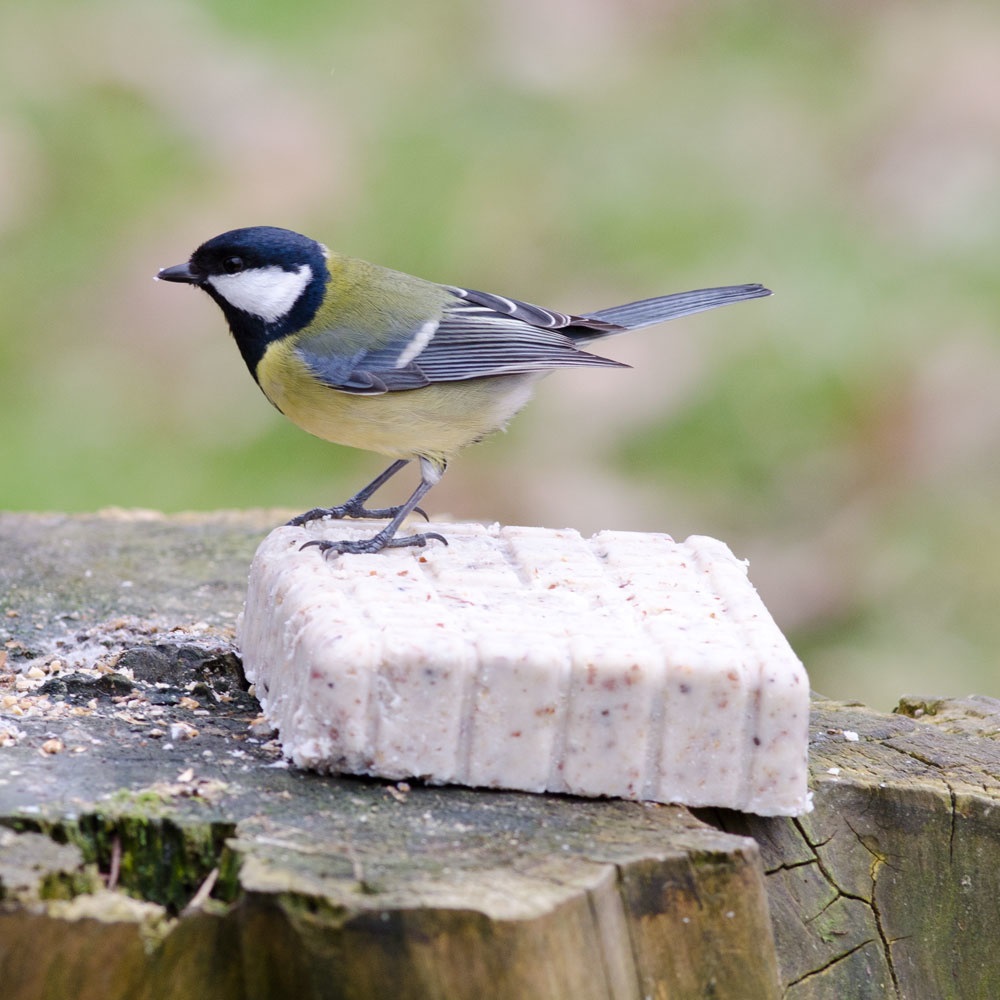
<point>430,473</point>
<point>355,507</point>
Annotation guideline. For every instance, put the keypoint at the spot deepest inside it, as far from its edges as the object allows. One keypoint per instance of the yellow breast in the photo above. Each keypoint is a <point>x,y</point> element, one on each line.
<point>435,421</point>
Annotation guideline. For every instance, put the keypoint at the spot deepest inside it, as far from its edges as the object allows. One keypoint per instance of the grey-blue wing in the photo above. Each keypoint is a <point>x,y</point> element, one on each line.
<point>471,340</point>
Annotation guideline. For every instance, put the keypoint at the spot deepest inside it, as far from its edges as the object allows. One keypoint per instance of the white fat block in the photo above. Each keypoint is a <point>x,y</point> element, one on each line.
<point>625,665</point>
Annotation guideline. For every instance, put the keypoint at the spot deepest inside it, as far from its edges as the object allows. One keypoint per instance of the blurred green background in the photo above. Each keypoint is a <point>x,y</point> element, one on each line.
<point>843,435</point>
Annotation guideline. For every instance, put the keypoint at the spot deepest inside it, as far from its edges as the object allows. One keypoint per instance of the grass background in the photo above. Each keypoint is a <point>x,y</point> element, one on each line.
<point>843,435</point>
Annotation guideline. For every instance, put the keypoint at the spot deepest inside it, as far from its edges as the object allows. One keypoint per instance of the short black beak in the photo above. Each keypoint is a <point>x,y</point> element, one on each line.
<point>180,272</point>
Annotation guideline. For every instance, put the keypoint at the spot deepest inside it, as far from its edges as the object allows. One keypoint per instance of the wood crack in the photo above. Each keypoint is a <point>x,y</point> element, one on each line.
<point>829,965</point>
<point>886,944</point>
<point>883,937</point>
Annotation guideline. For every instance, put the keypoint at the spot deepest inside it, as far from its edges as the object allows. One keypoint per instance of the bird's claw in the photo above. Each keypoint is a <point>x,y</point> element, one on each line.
<point>316,514</point>
<point>369,545</point>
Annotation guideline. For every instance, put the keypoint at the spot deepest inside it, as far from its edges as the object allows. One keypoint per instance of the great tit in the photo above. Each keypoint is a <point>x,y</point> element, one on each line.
<point>373,358</point>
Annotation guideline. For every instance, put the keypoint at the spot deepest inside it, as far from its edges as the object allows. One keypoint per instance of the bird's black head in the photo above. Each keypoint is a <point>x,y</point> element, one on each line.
<point>269,282</point>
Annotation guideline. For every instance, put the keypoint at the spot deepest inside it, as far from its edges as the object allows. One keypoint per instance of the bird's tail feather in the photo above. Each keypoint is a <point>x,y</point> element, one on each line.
<point>664,307</point>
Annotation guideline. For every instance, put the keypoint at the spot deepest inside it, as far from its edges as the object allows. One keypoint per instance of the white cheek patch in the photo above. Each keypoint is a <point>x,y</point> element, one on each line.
<point>266,292</point>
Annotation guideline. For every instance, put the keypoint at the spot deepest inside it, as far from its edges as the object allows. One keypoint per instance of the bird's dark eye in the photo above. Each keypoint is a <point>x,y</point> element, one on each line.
<point>233,265</point>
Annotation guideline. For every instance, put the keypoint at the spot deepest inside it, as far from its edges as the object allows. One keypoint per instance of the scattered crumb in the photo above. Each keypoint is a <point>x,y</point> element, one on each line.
<point>10,734</point>
<point>261,728</point>
<point>182,731</point>
<point>398,791</point>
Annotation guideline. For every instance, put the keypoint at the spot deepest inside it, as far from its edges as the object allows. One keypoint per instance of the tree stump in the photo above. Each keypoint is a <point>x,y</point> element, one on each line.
<point>155,845</point>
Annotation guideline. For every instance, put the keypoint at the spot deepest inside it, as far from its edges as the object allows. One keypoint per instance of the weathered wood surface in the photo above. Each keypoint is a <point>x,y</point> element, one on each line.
<point>153,845</point>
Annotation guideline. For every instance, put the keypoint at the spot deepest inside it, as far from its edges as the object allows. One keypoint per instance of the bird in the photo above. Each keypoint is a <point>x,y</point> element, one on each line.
<point>373,358</point>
